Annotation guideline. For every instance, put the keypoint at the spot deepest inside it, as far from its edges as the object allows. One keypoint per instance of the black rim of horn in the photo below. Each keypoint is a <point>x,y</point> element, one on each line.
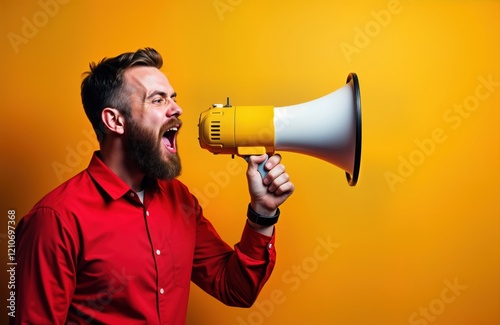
<point>352,78</point>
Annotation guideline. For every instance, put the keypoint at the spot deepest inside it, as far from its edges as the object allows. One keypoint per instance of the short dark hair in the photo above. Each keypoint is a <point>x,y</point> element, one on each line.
<point>102,86</point>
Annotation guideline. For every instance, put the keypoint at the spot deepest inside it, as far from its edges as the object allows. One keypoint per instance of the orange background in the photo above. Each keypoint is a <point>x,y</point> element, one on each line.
<point>415,242</point>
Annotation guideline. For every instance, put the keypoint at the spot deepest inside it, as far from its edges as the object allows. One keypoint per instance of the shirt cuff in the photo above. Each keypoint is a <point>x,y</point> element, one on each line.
<point>256,245</point>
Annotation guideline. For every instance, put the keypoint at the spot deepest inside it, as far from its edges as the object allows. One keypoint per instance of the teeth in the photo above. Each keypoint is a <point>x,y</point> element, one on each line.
<point>172,129</point>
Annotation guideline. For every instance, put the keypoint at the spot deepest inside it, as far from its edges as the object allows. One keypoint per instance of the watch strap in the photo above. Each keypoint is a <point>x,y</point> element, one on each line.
<point>260,219</point>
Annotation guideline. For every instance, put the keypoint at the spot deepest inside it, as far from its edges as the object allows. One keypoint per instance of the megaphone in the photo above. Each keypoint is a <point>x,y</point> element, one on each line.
<point>328,128</point>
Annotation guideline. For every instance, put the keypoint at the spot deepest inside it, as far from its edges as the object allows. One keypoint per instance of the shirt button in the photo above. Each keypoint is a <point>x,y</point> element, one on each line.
<point>132,194</point>
<point>162,291</point>
<point>270,246</point>
<point>158,252</point>
<point>147,213</point>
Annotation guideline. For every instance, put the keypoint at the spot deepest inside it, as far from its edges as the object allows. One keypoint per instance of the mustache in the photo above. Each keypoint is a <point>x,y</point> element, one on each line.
<point>172,123</point>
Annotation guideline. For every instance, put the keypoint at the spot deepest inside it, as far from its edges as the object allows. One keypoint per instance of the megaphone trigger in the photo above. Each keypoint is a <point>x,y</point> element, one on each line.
<point>260,167</point>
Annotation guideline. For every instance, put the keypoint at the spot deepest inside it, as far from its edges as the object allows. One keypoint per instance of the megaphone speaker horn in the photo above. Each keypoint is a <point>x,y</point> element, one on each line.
<point>328,128</point>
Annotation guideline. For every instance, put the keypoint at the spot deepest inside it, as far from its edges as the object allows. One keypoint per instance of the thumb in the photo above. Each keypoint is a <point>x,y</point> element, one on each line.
<point>256,164</point>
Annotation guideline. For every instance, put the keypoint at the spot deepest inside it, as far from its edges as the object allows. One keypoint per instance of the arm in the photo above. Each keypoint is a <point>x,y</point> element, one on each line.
<point>236,277</point>
<point>233,276</point>
<point>45,271</point>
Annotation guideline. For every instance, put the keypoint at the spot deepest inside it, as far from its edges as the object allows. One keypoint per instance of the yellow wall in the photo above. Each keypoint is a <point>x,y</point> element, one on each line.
<point>415,242</point>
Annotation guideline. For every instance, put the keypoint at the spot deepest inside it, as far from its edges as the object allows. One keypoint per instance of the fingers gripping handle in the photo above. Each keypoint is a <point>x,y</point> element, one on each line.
<point>260,167</point>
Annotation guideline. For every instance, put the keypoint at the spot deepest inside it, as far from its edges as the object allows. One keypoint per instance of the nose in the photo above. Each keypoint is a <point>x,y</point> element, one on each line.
<point>174,109</point>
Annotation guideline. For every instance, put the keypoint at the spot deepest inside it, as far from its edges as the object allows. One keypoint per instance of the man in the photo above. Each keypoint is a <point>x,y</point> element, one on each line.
<point>120,242</point>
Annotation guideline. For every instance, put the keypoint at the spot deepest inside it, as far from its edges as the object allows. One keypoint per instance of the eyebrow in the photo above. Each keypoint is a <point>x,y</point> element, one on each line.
<point>161,93</point>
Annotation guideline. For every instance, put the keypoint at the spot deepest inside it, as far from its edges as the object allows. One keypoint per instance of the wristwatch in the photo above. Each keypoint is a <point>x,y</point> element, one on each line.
<point>260,219</point>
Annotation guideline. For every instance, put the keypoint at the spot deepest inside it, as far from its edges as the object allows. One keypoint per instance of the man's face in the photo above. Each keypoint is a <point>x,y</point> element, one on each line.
<point>151,131</point>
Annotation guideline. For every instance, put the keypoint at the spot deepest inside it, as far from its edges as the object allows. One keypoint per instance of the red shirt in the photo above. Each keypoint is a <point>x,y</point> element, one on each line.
<point>91,251</point>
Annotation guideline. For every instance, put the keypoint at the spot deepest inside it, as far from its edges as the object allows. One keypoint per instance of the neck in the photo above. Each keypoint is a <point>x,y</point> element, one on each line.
<point>114,156</point>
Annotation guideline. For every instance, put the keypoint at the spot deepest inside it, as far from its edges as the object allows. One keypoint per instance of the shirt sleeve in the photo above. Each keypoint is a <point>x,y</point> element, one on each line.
<point>46,268</point>
<point>233,276</point>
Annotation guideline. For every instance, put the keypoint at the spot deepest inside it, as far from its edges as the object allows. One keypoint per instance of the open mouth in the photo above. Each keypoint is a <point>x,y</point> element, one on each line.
<point>169,139</point>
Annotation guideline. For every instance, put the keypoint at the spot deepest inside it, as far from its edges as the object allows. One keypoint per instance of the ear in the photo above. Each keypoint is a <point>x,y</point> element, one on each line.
<point>113,120</point>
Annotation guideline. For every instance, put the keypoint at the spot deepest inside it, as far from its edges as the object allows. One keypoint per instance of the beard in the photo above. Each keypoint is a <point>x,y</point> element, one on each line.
<point>144,148</point>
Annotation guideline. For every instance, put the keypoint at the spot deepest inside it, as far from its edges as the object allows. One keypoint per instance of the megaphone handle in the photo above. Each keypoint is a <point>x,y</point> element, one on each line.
<point>260,167</point>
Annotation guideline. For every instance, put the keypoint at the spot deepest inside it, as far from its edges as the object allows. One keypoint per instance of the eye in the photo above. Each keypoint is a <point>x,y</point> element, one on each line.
<point>159,100</point>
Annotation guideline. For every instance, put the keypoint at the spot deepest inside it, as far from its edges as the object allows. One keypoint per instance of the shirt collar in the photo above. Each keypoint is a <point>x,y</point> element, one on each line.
<point>113,185</point>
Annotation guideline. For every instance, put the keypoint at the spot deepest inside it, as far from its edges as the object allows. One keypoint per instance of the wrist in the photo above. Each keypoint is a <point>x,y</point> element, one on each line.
<point>266,219</point>
<point>262,210</point>
<point>264,230</point>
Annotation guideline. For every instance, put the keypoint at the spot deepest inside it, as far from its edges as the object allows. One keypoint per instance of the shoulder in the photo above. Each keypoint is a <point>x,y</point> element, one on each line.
<point>66,191</point>
<point>59,202</point>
